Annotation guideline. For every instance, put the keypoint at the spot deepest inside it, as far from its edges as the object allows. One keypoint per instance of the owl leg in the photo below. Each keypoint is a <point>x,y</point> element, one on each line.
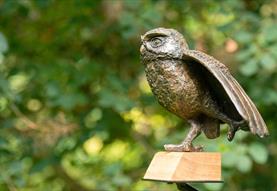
<point>234,126</point>
<point>186,145</point>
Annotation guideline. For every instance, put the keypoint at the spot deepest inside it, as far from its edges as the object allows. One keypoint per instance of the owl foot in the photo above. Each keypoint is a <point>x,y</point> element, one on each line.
<point>234,126</point>
<point>184,147</point>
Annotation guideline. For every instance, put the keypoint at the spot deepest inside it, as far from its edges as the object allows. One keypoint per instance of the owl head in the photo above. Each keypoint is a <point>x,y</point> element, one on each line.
<point>162,42</point>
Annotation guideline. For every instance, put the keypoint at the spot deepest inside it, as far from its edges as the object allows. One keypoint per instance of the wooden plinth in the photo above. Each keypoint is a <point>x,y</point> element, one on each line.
<point>185,167</point>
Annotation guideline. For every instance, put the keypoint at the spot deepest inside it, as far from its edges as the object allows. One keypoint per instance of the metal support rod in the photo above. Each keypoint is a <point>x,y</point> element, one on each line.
<point>185,187</point>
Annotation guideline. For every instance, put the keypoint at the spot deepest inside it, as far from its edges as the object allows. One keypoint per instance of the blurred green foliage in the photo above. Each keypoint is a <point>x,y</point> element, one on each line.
<point>76,112</point>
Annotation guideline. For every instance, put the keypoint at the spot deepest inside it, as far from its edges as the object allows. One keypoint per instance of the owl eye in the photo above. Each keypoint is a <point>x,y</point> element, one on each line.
<point>156,42</point>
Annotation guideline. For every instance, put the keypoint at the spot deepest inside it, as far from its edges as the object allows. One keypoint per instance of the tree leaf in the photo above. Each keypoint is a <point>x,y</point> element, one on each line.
<point>270,33</point>
<point>258,152</point>
<point>229,159</point>
<point>249,68</point>
<point>243,37</point>
<point>3,43</point>
<point>244,164</point>
<point>268,62</point>
<point>213,186</point>
<point>273,50</point>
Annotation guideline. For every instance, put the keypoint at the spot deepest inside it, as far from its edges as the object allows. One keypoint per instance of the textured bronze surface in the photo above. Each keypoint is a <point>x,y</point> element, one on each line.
<point>197,88</point>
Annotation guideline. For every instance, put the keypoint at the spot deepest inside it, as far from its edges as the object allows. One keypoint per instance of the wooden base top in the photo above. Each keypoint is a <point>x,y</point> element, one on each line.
<point>185,167</point>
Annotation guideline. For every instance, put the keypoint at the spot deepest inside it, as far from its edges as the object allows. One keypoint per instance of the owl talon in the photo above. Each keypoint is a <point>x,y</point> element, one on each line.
<point>182,148</point>
<point>231,135</point>
<point>234,127</point>
<point>199,148</point>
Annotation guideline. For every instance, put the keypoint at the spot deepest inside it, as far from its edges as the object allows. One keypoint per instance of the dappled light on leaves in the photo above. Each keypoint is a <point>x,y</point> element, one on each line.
<point>18,82</point>
<point>34,105</point>
<point>115,151</point>
<point>144,86</point>
<point>140,121</point>
<point>93,145</point>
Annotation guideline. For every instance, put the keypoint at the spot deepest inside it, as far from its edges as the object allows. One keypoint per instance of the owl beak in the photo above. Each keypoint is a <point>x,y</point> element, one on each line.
<point>141,38</point>
<point>142,49</point>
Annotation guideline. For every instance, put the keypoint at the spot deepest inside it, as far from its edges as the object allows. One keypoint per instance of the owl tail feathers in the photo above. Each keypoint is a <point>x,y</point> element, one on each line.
<point>211,128</point>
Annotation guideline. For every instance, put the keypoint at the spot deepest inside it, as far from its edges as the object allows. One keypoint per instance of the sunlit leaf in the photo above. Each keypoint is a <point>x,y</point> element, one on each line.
<point>115,151</point>
<point>34,105</point>
<point>19,82</point>
<point>93,145</point>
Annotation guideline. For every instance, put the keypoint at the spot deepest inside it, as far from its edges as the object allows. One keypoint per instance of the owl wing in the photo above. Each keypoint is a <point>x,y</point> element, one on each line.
<point>241,103</point>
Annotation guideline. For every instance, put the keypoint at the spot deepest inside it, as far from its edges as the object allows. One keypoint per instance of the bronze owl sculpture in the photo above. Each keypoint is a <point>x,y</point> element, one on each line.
<point>196,87</point>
